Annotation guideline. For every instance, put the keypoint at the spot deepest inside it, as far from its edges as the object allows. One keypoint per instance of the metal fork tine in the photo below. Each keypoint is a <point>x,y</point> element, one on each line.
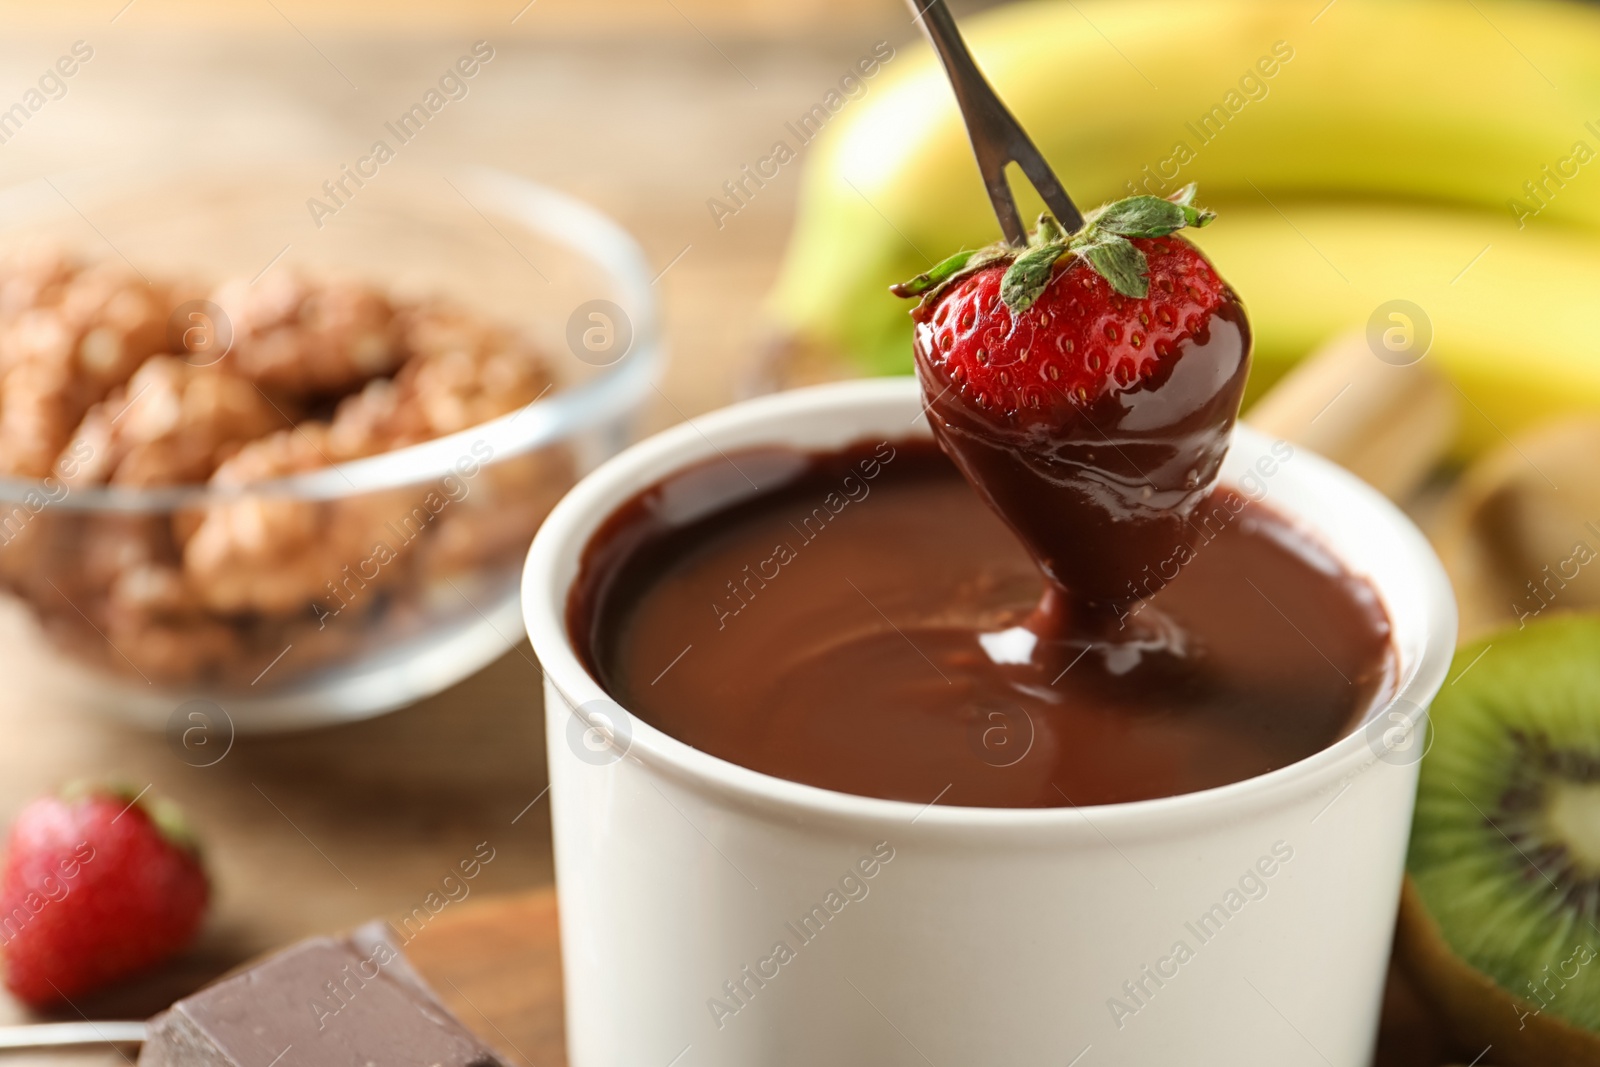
<point>997,137</point>
<point>1033,164</point>
<point>1004,204</point>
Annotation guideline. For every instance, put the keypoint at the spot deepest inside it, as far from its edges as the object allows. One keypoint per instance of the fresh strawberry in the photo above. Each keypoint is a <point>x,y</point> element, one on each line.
<point>97,886</point>
<point>1087,385</point>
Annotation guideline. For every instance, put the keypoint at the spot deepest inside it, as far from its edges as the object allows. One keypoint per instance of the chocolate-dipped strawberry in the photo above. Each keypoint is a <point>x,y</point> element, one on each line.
<point>1087,385</point>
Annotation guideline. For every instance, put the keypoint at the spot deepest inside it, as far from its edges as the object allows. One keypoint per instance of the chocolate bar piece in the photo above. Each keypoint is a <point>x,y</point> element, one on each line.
<point>327,1002</point>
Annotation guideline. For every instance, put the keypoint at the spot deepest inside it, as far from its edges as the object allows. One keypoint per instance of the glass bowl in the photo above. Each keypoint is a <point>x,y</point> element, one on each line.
<point>353,589</point>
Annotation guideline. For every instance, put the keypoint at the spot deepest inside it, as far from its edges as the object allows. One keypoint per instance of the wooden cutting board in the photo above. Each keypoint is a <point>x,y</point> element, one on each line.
<point>498,965</point>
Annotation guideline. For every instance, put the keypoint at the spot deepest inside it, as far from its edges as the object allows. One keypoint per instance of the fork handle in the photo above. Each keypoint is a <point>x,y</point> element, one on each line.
<point>61,1035</point>
<point>997,137</point>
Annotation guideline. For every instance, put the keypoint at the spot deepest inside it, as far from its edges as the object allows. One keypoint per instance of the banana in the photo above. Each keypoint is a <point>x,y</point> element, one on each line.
<point>1358,151</point>
<point>1511,320</point>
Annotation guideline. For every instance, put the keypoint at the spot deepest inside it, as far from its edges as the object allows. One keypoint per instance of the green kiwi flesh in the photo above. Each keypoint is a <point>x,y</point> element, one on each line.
<point>1505,848</point>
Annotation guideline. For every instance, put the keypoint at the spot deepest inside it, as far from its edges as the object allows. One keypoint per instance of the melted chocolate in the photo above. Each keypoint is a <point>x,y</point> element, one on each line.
<point>858,623</point>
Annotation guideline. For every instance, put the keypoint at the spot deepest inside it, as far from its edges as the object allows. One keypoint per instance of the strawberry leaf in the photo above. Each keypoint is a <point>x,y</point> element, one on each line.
<point>1103,241</point>
<point>1197,216</point>
<point>934,277</point>
<point>1148,216</point>
<point>931,285</point>
<point>1027,276</point>
<point>1117,261</point>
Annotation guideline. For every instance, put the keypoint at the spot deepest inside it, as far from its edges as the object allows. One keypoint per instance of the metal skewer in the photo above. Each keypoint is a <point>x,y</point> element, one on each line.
<point>997,137</point>
<point>61,1035</point>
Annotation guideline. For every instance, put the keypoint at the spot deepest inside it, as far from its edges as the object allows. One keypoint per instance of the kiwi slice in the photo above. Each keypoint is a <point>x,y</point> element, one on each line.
<point>1501,918</point>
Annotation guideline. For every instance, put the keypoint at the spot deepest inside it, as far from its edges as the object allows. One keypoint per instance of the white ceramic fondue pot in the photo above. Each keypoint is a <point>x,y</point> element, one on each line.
<point>713,916</point>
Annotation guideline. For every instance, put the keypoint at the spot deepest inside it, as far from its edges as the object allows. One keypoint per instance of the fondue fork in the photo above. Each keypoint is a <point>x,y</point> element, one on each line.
<point>997,138</point>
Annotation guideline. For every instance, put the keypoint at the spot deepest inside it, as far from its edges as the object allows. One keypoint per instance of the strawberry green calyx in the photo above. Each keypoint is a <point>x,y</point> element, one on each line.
<point>77,790</point>
<point>173,824</point>
<point>928,284</point>
<point>1103,243</point>
<point>165,814</point>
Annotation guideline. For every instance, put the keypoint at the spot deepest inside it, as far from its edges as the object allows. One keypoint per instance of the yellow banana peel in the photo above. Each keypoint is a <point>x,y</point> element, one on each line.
<point>1512,320</point>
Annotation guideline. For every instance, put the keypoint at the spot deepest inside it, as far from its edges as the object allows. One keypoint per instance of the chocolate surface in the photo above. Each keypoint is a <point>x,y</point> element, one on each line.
<point>328,1002</point>
<point>857,623</point>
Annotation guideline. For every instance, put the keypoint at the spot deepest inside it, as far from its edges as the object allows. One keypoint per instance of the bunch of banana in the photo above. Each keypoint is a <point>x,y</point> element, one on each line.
<point>1441,152</point>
